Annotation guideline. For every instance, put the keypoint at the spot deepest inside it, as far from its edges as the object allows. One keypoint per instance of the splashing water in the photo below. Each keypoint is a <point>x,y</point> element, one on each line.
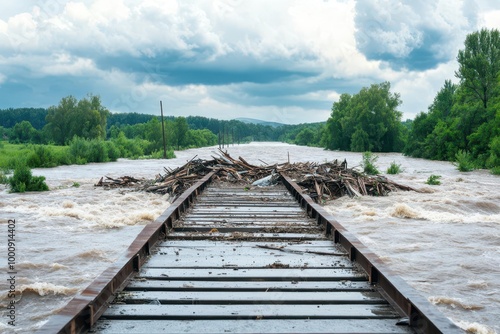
<point>443,240</point>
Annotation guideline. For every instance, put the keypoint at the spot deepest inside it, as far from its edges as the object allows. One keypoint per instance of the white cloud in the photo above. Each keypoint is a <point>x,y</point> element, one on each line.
<point>317,46</point>
<point>64,64</point>
<point>491,20</point>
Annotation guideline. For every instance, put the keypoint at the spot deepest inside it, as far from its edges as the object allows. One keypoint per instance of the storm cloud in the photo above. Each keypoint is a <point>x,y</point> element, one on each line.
<point>284,61</point>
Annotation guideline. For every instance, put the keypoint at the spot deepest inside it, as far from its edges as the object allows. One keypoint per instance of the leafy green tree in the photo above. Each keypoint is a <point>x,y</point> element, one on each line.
<point>200,138</point>
<point>479,65</point>
<point>368,120</point>
<point>337,134</point>
<point>305,137</point>
<point>431,132</point>
<point>181,128</point>
<point>464,119</point>
<point>24,132</point>
<point>479,71</point>
<point>85,118</point>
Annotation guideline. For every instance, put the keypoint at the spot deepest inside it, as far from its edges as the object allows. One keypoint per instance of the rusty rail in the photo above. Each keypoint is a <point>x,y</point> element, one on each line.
<point>83,311</point>
<point>422,316</point>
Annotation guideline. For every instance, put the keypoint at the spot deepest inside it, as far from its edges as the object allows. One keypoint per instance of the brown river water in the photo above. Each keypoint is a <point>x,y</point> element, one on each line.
<point>444,241</point>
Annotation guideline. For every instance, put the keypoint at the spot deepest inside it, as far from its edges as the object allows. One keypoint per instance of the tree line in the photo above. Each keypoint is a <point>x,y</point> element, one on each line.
<point>461,125</point>
<point>87,118</point>
<point>463,122</point>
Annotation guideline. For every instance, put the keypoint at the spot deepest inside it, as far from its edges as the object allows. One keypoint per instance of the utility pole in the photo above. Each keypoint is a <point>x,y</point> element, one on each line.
<point>163,133</point>
<point>223,130</point>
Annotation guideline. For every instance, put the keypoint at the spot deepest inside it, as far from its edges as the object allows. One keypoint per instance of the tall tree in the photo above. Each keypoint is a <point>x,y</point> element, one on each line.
<point>366,121</point>
<point>479,65</point>
<point>85,118</point>
<point>420,144</point>
<point>479,73</point>
<point>181,128</point>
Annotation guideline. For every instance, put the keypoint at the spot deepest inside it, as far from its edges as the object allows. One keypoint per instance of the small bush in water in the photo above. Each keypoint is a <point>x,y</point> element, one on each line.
<point>433,180</point>
<point>394,168</point>
<point>368,163</point>
<point>23,180</point>
<point>464,161</point>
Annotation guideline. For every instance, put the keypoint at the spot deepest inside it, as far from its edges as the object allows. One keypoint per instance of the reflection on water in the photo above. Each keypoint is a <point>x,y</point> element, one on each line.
<point>444,240</point>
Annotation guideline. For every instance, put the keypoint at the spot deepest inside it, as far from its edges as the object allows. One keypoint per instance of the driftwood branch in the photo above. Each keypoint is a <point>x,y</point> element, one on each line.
<point>323,182</point>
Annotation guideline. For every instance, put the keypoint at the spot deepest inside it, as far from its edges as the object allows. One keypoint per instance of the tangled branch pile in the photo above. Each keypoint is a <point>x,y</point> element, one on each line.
<point>323,182</point>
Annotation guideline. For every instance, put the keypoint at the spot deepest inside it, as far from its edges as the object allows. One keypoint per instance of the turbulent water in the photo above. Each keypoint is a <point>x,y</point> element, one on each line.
<point>444,240</point>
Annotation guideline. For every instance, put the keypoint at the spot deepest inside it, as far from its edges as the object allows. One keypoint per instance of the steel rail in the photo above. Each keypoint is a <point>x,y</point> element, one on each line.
<point>83,311</point>
<point>422,316</point>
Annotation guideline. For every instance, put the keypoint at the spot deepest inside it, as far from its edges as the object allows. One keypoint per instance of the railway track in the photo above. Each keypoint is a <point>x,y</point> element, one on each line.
<point>240,260</point>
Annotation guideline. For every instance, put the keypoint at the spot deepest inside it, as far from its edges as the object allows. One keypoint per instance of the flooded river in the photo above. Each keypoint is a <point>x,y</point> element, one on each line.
<point>444,241</point>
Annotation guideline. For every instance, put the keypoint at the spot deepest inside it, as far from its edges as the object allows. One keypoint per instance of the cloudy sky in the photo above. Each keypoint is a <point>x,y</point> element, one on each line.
<point>278,60</point>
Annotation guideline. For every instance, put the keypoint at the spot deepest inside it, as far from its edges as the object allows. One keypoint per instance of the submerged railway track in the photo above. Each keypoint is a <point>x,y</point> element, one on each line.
<point>239,260</point>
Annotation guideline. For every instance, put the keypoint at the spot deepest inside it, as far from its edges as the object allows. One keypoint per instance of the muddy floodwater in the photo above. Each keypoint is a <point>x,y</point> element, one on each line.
<point>444,240</point>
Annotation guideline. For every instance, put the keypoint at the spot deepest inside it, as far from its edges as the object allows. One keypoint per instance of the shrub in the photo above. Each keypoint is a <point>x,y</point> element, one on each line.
<point>433,180</point>
<point>97,151</point>
<point>159,154</point>
<point>113,151</point>
<point>23,180</point>
<point>129,148</point>
<point>78,148</point>
<point>368,163</point>
<point>41,156</point>
<point>94,150</point>
<point>495,170</point>
<point>493,161</point>
<point>464,161</point>
<point>170,154</point>
<point>64,157</point>
<point>394,168</point>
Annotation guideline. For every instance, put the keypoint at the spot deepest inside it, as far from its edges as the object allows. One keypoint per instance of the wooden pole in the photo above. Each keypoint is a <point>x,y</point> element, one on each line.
<point>223,139</point>
<point>163,133</point>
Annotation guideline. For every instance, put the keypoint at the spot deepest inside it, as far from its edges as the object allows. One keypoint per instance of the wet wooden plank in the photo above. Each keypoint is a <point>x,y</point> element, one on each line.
<point>252,311</point>
<point>166,285</point>
<point>260,217</point>
<point>251,274</point>
<point>361,326</point>
<point>244,202</point>
<point>247,194</point>
<point>215,222</point>
<point>238,297</point>
<point>249,220</point>
<point>240,228</point>
<point>245,257</point>
<point>307,244</point>
<point>244,263</point>
<point>244,209</point>
<point>245,236</point>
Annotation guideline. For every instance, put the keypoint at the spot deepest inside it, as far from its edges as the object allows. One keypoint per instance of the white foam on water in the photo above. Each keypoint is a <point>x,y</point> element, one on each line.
<point>445,236</point>
<point>44,288</point>
<point>474,327</point>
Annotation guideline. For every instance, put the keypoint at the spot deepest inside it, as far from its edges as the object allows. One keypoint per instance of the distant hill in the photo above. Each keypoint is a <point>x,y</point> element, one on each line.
<point>258,121</point>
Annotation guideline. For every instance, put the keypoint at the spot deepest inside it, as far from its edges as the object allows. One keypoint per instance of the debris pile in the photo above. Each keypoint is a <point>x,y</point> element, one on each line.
<point>325,181</point>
